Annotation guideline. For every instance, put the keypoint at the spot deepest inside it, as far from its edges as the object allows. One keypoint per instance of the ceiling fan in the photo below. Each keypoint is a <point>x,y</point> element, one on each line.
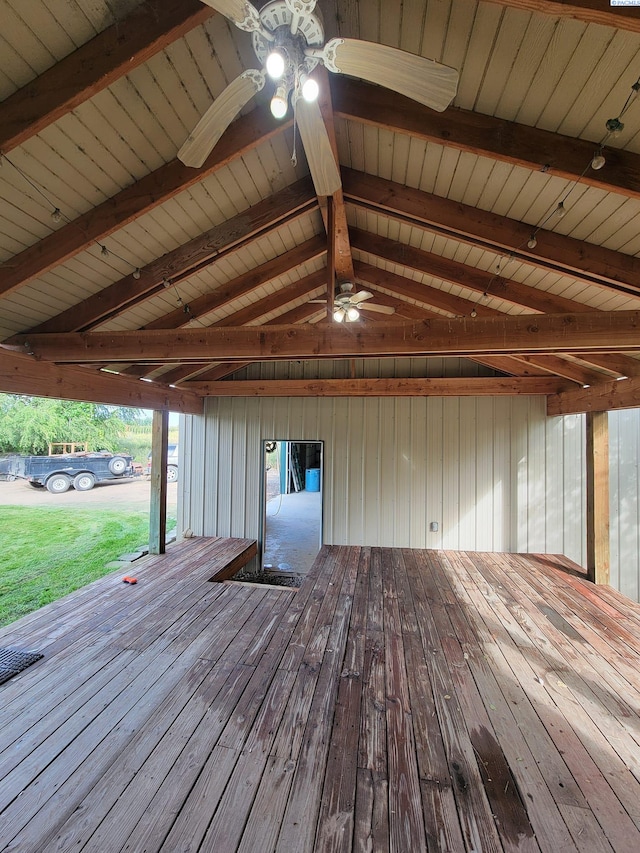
<point>288,40</point>
<point>348,304</point>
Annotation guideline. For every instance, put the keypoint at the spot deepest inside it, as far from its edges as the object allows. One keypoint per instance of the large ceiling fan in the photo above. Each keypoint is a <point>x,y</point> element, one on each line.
<point>348,304</point>
<point>288,40</point>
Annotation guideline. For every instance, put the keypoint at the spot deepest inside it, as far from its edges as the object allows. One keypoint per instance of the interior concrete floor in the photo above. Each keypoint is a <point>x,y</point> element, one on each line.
<point>294,527</point>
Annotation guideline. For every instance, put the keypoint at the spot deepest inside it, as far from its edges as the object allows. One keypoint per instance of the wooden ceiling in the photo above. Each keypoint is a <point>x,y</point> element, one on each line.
<point>118,263</point>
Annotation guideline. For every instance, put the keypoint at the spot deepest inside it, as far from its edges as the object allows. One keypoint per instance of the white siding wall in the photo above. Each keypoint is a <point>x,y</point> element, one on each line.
<point>624,451</point>
<point>495,473</point>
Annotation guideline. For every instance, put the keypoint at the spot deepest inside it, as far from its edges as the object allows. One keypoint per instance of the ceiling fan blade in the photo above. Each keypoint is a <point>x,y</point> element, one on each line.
<point>318,301</point>
<point>219,116</point>
<point>381,309</point>
<point>313,133</point>
<point>361,296</point>
<point>243,14</point>
<point>423,80</point>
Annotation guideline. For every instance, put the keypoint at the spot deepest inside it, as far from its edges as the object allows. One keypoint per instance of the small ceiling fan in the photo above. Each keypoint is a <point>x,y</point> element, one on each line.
<point>288,40</point>
<point>348,304</point>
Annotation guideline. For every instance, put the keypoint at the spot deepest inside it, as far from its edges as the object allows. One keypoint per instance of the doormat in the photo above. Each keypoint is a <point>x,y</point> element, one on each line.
<point>13,661</point>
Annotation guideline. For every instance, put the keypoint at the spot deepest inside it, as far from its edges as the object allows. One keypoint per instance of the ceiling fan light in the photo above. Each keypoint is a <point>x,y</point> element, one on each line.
<point>352,314</point>
<point>275,65</point>
<point>310,90</point>
<point>279,104</point>
<point>339,315</point>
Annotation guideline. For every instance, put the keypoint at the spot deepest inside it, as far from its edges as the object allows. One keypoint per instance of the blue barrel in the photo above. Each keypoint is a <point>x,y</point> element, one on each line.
<point>312,480</point>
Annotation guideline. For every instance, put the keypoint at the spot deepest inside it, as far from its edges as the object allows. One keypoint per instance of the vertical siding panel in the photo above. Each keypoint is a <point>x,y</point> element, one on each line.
<point>372,450</point>
<point>519,473</point>
<point>626,517</point>
<point>501,497</point>
<point>615,497</point>
<point>467,497</point>
<point>485,465</point>
<point>534,508</point>
<point>451,473</point>
<point>573,489</point>
<point>435,476</point>
<point>419,472</point>
<point>387,503</point>
<point>554,482</point>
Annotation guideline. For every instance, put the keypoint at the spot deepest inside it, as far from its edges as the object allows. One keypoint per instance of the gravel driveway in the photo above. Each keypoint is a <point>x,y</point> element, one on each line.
<point>131,494</point>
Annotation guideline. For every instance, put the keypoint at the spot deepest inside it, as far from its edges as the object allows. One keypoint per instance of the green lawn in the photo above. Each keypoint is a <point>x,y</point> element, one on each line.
<point>46,553</point>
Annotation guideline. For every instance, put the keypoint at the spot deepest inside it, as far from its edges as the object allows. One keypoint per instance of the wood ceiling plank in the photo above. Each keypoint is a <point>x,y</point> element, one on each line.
<point>185,260</point>
<point>96,65</point>
<point>565,255</point>
<point>473,386</point>
<point>530,147</point>
<point>598,398</point>
<point>20,374</point>
<point>614,331</point>
<point>164,183</point>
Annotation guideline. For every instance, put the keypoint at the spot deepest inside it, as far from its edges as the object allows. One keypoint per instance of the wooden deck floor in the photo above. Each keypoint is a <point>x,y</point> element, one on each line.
<point>400,701</point>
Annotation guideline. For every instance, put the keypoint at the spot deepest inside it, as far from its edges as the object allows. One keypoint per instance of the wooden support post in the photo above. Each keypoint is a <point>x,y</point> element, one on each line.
<point>598,497</point>
<point>331,257</point>
<point>158,502</point>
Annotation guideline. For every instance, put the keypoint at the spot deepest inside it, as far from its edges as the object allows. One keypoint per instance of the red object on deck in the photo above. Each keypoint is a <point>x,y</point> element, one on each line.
<point>129,580</point>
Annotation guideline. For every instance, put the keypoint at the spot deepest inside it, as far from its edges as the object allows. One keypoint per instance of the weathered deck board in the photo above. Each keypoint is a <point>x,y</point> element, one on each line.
<point>401,700</point>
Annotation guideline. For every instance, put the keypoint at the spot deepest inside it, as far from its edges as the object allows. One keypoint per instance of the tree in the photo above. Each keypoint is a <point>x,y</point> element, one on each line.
<point>29,424</point>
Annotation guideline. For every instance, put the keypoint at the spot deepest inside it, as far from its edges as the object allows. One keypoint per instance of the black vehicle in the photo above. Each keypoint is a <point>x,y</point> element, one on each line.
<point>80,470</point>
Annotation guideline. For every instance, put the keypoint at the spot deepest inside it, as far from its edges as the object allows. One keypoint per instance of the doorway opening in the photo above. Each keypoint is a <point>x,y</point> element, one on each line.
<point>292,518</point>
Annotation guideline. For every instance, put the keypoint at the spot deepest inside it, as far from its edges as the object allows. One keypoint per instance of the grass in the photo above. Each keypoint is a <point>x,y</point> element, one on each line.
<point>46,553</point>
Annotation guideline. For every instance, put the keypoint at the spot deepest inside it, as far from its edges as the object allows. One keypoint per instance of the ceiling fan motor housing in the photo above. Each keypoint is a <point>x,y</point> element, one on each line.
<point>276,17</point>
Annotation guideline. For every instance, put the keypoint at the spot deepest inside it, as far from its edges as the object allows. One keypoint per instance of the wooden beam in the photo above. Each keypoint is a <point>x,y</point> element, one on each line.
<point>530,147</point>
<point>614,331</point>
<point>597,457</point>
<point>245,133</point>
<point>563,255</point>
<point>21,374</point>
<point>284,206</point>
<point>605,396</point>
<point>342,247</point>
<point>331,257</point>
<point>474,386</point>
<point>158,497</point>
<point>589,11</point>
<point>111,54</point>
<point>243,285</point>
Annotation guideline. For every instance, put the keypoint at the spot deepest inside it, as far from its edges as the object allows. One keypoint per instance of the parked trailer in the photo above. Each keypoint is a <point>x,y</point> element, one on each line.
<point>80,470</point>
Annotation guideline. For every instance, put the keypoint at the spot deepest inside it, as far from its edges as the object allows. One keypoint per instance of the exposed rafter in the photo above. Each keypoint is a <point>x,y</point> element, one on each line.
<point>589,11</point>
<point>599,398</point>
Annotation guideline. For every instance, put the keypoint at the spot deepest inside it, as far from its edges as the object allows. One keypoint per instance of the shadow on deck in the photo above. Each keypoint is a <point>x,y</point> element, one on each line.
<point>401,700</point>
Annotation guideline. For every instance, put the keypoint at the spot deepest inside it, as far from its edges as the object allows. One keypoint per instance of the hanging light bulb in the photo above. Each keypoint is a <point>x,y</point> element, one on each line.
<point>56,215</point>
<point>532,242</point>
<point>275,65</point>
<point>339,315</point>
<point>279,103</point>
<point>310,89</point>
<point>136,273</point>
<point>560,210</point>
<point>474,313</point>
<point>104,252</point>
<point>352,314</point>
<point>598,160</point>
